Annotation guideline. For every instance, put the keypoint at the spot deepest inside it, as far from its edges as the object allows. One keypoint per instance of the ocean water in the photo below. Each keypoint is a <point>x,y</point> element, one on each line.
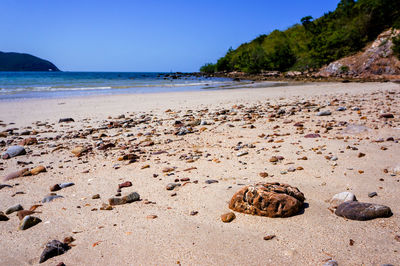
<point>25,85</point>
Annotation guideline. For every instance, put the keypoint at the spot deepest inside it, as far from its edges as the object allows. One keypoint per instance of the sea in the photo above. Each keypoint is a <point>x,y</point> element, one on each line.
<point>28,85</point>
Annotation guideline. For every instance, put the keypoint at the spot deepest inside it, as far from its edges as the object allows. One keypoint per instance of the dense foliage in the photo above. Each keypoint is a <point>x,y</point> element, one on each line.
<point>314,43</point>
<point>396,46</point>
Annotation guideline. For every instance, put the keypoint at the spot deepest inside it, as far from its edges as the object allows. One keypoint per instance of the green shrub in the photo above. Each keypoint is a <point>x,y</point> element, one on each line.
<point>208,68</point>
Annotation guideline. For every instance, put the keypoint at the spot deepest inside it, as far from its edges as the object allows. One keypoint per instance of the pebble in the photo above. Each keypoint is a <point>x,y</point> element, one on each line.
<point>152,216</point>
<point>4,185</point>
<point>360,211</point>
<point>28,222</point>
<point>240,154</point>
<point>193,213</point>
<point>64,185</point>
<point>324,113</point>
<point>340,109</point>
<point>171,186</point>
<point>96,196</point>
<point>52,249</point>
<point>331,263</point>
<point>13,151</point>
<point>21,214</point>
<point>38,169</point>
<point>125,184</point>
<point>3,217</point>
<point>341,197</point>
<point>228,217</point>
<point>312,136</point>
<point>14,208</point>
<point>63,120</point>
<point>13,175</point>
<point>51,198</point>
<point>134,196</point>
<point>372,194</point>
<point>211,181</point>
<point>263,174</point>
<point>269,237</point>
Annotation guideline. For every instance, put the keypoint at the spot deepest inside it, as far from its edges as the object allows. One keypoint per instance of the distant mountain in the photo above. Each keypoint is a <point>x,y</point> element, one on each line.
<point>24,62</point>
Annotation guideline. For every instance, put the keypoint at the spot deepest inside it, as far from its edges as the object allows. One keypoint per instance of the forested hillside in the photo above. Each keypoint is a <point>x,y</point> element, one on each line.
<point>314,42</point>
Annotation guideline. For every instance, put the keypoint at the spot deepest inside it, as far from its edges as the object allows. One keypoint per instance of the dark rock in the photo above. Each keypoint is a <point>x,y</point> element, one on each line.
<point>14,208</point>
<point>386,116</point>
<point>361,211</point>
<point>51,198</point>
<point>372,194</point>
<point>56,187</point>
<point>52,249</point>
<point>28,221</point>
<point>171,186</point>
<point>4,185</point>
<point>134,196</point>
<point>211,181</point>
<point>3,217</point>
<point>68,184</point>
<point>268,199</point>
<point>63,120</point>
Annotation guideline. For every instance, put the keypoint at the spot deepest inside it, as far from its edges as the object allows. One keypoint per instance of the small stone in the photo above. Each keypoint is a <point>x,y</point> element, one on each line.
<point>341,109</point>
<point>96,196</point>
<point>79,151</point>
<point>56,187</point>
<point>14,208</point>
<point>372,194</point>
<point>64,185</point>
<point>331,263</point>
<point>168,169</point>
<point>269,237</point>
<point>3,217</point>
<point>193,213</point>
<point>125,184</point>
<point>13,151</point>
<point>386,116</point>
<point>134,196</point>
<point>64,120</point>
<point>38,169</point>
<point>263,174</point>
<point>153,216</point>
<point>340,198</point>
<point>360,155</point>
<point>312,136</point>
<point>291,169</point>
<point>171,186</point>
<point>51,198</point>
<point>324,113</point>
<point>273,159</point>
<point>28,222</point>
<point>240,154</point>
<point>52,249</point>
<point>397,238</point>
<point>211,181</point>
<point>228,217</point>
<point>360,211</point>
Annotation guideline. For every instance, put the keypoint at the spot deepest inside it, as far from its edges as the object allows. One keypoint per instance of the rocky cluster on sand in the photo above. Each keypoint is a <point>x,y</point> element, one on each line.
<point>252,158</point>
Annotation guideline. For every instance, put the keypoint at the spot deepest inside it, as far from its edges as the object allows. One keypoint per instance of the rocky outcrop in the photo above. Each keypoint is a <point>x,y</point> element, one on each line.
<point>24,62</point>
<point>269,199</point>
<point>376,61</point>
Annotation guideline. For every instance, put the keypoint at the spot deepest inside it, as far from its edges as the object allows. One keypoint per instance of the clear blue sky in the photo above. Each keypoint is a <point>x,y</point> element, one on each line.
<point>145,35</point>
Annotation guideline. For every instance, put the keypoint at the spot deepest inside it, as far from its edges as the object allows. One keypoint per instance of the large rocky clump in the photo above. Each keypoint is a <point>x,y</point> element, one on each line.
<point>376,61</point>
<point>268,199</point>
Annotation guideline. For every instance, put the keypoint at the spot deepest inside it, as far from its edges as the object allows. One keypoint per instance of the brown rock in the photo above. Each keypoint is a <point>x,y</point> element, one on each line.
<point>38,169</point>
<point>21,214</point>
<point>79,151</point>
<point>27,141</point>
<point>125,184</point>
<point>228,217</point>
<point>22,172</point>
<point>268,199</point>
<point>263,174</point>
<point>269,237</point>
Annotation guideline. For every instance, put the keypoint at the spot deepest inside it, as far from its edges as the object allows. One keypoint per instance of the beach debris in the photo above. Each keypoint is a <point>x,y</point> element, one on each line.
<point>372,194</point>
<point>13,151</point>
<point>134,196</point>
<point>52,249</point>
<point>151,216</point>
<point>228,217</point>
<point>4,185</point>
<point>361,211</point>
<point>28,221</point>
<point>211,181</point>
<point>96,196</point>
<point>14,208</point>
<point>268,199</point>
<point>171,186</point>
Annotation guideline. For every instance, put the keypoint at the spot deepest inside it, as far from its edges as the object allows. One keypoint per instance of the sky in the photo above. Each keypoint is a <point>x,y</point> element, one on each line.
<point>145,35</point>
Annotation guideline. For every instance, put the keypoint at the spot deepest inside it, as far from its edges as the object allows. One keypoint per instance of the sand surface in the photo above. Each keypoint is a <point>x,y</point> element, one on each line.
<point>237,120</point>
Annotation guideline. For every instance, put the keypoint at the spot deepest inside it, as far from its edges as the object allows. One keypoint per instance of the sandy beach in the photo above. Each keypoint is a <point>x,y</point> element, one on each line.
<point>208,145</point>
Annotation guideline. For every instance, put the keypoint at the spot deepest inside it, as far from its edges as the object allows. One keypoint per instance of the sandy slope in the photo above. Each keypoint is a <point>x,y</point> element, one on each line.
<point>128,237</point>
